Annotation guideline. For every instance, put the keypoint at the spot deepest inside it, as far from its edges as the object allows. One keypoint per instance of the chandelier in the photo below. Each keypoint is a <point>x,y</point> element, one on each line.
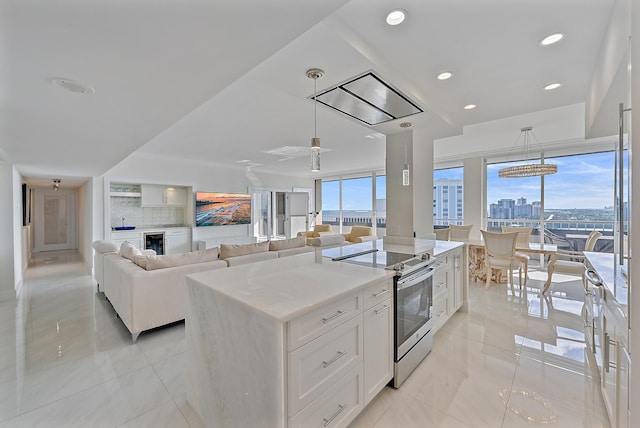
<point>528,169</point>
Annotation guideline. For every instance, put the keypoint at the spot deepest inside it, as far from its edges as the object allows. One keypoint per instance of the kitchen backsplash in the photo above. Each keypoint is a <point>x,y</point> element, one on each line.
<point>135,215</point>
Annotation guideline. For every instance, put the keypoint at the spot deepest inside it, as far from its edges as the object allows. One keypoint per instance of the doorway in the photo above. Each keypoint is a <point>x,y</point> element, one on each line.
<point>279,214</point>
<point>55,220</point>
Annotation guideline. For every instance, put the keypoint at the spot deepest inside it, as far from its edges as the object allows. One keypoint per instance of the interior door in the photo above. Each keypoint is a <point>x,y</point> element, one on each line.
<point>296,212</point>
<point>55,221</point>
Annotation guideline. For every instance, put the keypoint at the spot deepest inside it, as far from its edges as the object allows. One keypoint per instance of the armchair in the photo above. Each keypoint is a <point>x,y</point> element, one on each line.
<point>360,234</point>
<point>318,229</point>
<point>570,262</point>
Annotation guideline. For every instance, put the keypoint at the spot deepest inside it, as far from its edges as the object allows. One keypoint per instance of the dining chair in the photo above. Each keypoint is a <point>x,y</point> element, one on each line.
<point>500,253</point>
<point>571,262</point>
<point>524,236</point>
<point>442,233</point>
<point>459,233</point>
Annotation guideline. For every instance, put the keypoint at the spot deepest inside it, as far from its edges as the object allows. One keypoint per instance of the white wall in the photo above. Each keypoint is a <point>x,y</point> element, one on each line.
<point>9,191</point>
<point>200,176</point>
<point>84,196</point>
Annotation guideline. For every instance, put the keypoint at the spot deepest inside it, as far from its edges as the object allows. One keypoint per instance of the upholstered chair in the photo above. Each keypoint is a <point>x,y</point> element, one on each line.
<point>459,233</point>
<point>500,253</point>
<point>442,233</point>
<point>360,234</point>
<point>571,262</point>
<point>318,230</point>
<point>524,236</point>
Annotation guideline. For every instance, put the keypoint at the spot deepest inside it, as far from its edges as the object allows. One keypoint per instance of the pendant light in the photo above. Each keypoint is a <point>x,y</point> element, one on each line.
<point>405,167</point>
<point>315,74</point>
<point>528,169</point>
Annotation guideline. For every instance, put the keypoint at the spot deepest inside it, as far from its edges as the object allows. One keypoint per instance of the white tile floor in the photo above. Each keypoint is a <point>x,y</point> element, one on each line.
<point>511,361</point>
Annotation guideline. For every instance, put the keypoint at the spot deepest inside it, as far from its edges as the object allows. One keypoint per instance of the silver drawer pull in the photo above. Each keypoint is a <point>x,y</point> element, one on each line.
<point>341,407</point>
<point>326,320</point>
<point>340,354</point>
<point>382,309</point>
<point>442,284</point>
<point>441,314</point>
<point>385,291</point>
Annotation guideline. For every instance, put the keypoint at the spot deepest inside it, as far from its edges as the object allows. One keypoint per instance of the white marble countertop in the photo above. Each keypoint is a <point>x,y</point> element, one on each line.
<point>611,274</point>
<point>288,287</point>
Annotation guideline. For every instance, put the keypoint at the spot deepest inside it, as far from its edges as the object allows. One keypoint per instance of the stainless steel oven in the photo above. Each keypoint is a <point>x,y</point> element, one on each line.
<point>412,298</point>
<point>413,301</point>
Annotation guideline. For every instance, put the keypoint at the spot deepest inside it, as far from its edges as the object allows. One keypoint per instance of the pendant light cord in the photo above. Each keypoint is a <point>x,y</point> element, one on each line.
<point>315,107</point>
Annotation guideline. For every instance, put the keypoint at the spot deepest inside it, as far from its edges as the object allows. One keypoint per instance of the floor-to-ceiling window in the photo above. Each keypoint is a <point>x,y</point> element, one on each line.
<point>448,196</point>
<point>354,201</point>
<point>577,199</point>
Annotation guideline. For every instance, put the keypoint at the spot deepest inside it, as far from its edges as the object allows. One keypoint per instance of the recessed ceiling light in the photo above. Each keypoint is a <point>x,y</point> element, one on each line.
<point>469,106</point>
<point>444,75</point>
<point>72,86</point>
<point>551,39</point>
<point>396,16</point>
<point>552,86</point>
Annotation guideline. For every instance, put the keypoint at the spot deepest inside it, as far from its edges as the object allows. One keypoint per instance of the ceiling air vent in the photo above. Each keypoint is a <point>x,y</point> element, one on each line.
<point>369,99</point>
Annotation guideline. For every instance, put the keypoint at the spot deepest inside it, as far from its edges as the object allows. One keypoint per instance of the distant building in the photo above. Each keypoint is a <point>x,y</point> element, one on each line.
<point>447,199</point>
<point>509,209</point>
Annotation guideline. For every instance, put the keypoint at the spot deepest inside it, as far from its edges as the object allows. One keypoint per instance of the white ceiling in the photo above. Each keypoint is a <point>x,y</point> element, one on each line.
<point>224,81</point>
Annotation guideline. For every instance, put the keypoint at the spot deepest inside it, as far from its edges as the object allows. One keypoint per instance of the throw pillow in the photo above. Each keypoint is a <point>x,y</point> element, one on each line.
<point>128,251</point>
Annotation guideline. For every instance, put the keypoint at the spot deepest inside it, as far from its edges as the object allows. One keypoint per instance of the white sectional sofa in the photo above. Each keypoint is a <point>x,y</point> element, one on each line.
<point>147,290</point>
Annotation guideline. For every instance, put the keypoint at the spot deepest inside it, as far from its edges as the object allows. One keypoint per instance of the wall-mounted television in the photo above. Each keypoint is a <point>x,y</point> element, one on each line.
<point>222,209</point>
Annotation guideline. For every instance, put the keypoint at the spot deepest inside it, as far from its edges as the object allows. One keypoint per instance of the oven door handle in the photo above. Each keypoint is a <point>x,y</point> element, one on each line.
<point>409,282</point>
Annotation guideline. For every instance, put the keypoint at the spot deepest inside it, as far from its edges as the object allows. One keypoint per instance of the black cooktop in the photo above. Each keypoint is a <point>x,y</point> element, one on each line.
<point>381,259</point>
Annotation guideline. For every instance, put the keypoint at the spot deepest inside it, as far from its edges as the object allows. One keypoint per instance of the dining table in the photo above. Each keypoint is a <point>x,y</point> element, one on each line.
<point>477,268</point>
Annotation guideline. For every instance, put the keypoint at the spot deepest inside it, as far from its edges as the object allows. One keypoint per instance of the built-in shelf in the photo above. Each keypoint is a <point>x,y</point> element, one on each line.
<point>125,194</point>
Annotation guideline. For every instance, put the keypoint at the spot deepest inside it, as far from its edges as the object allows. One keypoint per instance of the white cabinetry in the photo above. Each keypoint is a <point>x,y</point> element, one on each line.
<point>448,286</point>
<point>159,196</point>
<point>317,369</point>
<point>378,338</point>
<point>134,238</point>
<point>326,347</point>
<point>177,240</point>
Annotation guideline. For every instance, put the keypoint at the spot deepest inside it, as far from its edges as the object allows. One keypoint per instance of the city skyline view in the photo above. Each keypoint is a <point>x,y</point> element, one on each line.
<point>582,182</point>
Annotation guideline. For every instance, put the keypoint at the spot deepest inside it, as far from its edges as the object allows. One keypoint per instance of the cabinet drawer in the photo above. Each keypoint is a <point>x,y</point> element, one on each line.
<point>377,293</point>
<point>440,310</point>
<point>337,407</point>
<point>312,325</point>
<point>318,364</point>
<point>440,284</point>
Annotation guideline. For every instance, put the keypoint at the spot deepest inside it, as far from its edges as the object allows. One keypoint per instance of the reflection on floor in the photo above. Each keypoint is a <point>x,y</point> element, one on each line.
<point>67,361</point>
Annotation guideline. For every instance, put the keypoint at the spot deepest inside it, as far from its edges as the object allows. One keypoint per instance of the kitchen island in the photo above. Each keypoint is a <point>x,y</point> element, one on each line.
<point>297,341</point>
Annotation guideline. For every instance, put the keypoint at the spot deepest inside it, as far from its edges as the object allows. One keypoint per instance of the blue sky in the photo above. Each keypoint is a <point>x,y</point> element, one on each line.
<point>584,181</point>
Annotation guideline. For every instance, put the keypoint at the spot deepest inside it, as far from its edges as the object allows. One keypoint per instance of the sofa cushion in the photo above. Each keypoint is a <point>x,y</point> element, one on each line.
<point>285,244</point>
<point>104,247</point>
<point>128,251</point>
<point>323,241</point>
<point>166,261</point>
<point>234,250</point>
